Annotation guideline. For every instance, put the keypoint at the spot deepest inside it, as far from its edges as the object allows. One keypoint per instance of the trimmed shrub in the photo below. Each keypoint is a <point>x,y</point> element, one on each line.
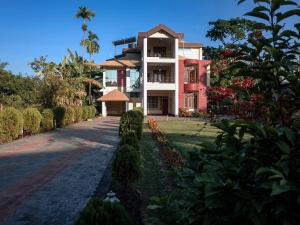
<point>85,113</point>
<point>127,166</point>
<point>32,120</point>
<point>93,111</point>
<point>47,119</point>
<point>102,212</point>
<point>70,115</point>
<point>78,114</point>
<point>130,139</point>
<point>11,124</point>
<point>60,116</point>
<point>131,120</point>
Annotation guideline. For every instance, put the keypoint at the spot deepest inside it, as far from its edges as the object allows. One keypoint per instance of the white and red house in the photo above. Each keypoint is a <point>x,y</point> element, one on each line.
<point>160,73</point>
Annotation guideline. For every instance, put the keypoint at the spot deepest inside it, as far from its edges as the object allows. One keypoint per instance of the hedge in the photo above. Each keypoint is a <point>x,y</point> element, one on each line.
<point>101,212</point>
<point>47,119</point>
<point>70,115</point>
<point>127,166</point>
<point>130,139</point>
<point>85,113</point>
<point>32,120</point>
<point>11,124</point>
<point>131,120</point>
<point>78,114</point>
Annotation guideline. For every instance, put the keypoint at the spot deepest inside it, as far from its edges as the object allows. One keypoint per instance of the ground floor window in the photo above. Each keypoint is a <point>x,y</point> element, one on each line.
<point>190,101</point>
<point>153,102</point>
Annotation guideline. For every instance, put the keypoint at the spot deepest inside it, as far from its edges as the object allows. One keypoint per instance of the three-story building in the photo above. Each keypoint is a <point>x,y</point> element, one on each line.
<point>160,73</point>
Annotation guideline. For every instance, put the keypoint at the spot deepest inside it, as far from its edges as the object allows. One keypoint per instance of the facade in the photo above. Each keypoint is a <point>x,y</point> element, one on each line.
<point>160,73</point>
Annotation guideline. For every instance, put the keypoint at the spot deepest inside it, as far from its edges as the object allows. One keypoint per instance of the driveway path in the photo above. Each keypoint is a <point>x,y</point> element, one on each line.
<point>47,179</point>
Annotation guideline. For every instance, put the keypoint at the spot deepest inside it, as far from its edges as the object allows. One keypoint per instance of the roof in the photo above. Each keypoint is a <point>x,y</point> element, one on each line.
<point>161,27</point>
<point>190,45</point>
<point>121,63</point>
<point>114,96</point>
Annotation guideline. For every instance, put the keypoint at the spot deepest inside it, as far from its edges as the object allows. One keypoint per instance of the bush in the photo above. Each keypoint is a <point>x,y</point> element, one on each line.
<point>70,115</point>
<point>127,166</point>
<point>92,111</point>
<point>32,120</point>
<point>47,119</point>
<point>252,167</point>
<point>60,116</point>
<point>85,113</point>
<point>78,114</point>
<point>11,124</point>
<point>106,213</point>
<point>130,139</point>
<point>131,121</point>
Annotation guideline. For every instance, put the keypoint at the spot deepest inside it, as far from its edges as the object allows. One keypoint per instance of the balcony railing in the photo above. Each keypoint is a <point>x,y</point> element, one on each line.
<point>159,55</point>
<point>160,79</point>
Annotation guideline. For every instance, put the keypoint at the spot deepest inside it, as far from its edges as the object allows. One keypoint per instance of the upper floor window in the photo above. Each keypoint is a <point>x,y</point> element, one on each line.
<point>134,75</point>
<point>190,74</point>
<point>111,78</point>
<point>159,51</point>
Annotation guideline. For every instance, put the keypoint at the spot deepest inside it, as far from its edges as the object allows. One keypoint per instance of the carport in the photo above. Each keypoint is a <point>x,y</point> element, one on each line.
<point>114,103</point>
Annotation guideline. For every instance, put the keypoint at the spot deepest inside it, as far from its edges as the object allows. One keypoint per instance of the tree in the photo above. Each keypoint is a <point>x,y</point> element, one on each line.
<point>92,47</point>
<point>85,14</point>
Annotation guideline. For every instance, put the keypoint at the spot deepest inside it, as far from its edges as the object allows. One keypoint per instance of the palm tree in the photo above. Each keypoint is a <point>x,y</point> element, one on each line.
<point>92,47</point>
<point>85,14</point>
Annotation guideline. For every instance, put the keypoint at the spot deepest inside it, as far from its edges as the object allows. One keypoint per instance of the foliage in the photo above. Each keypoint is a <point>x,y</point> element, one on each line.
<point>47,119</point>
<point>127,166</point>
<point>131,121</point>
<point>60,116</point>
<point>130,139</point>
<point>251,167</point>
<point>91,111</point>
<point>78,111</point>
<point>101,212</point>
<point>11,124</point>
<point>85,113</point>
<point>171,155</point>
<point>69,115</point>
<point>32,120</point>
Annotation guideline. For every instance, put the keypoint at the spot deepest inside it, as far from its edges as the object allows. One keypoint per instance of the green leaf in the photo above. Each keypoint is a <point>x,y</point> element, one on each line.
<point>152,207</point>
<point>283,147</point>
<point>278,189</point>
<point>262,1</point>
<point>259,15</point>
<point>260,9</point>
<point>289,3</point>
<point>289,134</point>
<point>282,16</point>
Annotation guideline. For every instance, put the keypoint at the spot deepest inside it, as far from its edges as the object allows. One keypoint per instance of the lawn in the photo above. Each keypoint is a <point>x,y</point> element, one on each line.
<point>157,176</point>
<point>187,135</point>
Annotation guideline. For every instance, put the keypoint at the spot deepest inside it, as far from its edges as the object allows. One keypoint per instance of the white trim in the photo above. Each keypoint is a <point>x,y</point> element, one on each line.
<point>145,71</point>
<point>176,97</point>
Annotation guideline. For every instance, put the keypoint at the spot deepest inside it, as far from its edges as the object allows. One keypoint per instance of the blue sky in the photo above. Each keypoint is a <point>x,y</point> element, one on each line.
<point>33,28</point>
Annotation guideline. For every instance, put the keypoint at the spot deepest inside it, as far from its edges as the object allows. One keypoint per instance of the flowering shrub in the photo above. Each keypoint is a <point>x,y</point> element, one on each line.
<point>171,155</point>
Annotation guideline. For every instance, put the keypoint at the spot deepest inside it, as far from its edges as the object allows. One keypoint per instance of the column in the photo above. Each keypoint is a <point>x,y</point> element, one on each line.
<point>104,112</point>
<point>145,72</point>
<point>176,97</point>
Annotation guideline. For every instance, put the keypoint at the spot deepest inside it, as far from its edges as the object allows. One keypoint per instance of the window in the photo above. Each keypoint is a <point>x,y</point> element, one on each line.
<point>190,74</point>
<point>134,78</point>
<point>111,78</point>
<point>153,102</point>
<point>159,51</point>
<point>190,101</point>
<point>161,76</point>
<point>135,94</point>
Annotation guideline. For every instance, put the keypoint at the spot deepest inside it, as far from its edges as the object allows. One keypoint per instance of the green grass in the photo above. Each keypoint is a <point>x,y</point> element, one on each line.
<point>187,135</point>
<point>156,180</point>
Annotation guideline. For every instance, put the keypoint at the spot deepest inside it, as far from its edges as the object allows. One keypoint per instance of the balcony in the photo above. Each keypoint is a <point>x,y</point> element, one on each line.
<point>190,87</point>
<point>160,82</point>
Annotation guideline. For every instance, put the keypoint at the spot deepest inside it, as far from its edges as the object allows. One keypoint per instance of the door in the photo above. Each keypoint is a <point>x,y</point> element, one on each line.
<point>165,106</point>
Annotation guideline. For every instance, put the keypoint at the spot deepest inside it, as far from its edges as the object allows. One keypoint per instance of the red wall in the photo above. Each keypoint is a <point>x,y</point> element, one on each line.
<point>121,78</point>
<point>202,96</point>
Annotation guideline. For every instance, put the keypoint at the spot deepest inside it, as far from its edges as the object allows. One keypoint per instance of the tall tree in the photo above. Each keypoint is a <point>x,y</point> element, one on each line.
<point>85,14</point>
<point>92,47</point>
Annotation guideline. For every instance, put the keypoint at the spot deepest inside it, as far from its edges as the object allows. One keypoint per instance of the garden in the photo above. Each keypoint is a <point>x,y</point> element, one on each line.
<point>218,171</point>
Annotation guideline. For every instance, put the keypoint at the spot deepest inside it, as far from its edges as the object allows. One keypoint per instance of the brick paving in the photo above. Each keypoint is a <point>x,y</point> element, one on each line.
<point>48,178</point>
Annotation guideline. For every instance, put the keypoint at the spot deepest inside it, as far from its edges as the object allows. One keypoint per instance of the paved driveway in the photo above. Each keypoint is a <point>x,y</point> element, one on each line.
<point>48,178</point>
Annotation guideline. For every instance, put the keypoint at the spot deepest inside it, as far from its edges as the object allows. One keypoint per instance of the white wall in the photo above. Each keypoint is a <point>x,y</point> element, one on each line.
<point>191,53</point>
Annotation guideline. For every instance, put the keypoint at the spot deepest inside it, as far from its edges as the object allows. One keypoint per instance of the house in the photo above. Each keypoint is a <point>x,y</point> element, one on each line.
<point>160,72</point>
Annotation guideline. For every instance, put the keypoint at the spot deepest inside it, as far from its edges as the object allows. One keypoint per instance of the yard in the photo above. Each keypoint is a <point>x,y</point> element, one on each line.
<point>187,135</point>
